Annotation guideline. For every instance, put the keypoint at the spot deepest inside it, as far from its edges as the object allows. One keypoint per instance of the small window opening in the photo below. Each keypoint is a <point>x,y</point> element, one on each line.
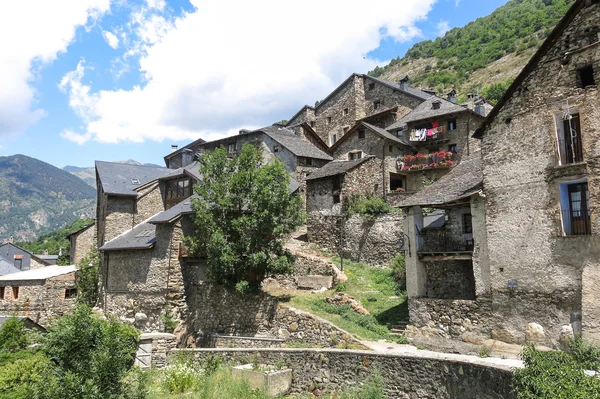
<point>276,148</point>
<point>328,120</point>
<point>467,223</point>
<point>333,139</point>
<point>336,198</point>
<point>437,105</point>
<point>585,77</point>
<point>306,161</point>
<point>19,263</point>
<point>452,124</point>
<point>312,123</point>
<point>377,104</point>
<point>345,111</point>
<point>397,182</point>
<point>135,181</point>
<point>390,148</point>
<point>231,148</point>
<point>2,293</point>
<point>345,129</point>
<point>453,148</point>
<point>15,293</point>
<point>371,86</point>
<point>355,155</point>
<point>70,293</point>
<point>361,134</point>
<point>337,183</point>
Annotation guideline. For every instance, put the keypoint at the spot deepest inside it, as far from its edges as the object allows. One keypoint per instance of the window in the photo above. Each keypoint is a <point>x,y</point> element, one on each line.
<point>453,148</point>
<point>390,148</point>
<point>355,155</point>
<point>2,293</point>
<point>585,77</point>
<point>361,133</point>
<point>337,183</point>
<point>377,104</point>
<point>436,105</point>
<point>276,148</point>
<point>15,293</point>
<point>328,120</point>
<point>397,182</point>
<point>18,262</point>
<point>312,123</point>
<point>569,144</point>
<point>575,209</point>
<point>345,111</point>
<point>345,129</point>
<point>135,182</point>
<point>400,133</point>
<point>306,161</point>
<point>231,148</point>
<point>332,139</point>
<point>176,190</point>
<point>70,293</point>
<point>452,124</point>
<point>371,86</point>
<point>336,198</point>
<point>467,223</point>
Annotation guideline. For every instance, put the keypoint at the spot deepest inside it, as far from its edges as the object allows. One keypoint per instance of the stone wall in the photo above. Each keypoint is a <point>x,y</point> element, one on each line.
<point>374,242</point>
<point>42,302</point>
<point>304,265</point>
<point>148,203</point>
<point>389,98</point>
<point>450,279</point>
<point>120,213</point>
<point>522,177</point>
<point>235,341</point>
<point>404,376</point>
<point>82,244</point>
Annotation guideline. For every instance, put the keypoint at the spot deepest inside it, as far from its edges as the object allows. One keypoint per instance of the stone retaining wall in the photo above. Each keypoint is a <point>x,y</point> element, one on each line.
<point>405,376</point>
<point>234,341</point>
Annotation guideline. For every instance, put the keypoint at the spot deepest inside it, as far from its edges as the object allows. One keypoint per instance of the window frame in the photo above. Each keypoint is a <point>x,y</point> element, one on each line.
<point>14,293</point>
<point>362,134</point>
<point>70,293</point>
<point>585,76</point>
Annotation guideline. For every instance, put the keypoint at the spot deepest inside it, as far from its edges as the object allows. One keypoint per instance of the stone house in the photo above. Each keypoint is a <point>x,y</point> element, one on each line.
<point>14,259</point>
<point>447,268</point>
<point>82,241</point>
<point>438,133</point>
<point>359,96</point>
<point>40,294</point>
<point>541,163</point>
<point>325,192</point>
<point>365,139</point>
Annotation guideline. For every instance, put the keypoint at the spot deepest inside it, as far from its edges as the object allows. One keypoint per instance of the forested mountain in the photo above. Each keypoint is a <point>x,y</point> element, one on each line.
<point>485,55</point>
<point>88,174</point>
<point>36,197</point>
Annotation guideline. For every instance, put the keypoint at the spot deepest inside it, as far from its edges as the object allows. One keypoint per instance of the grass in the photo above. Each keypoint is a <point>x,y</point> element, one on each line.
<point>375,288</point>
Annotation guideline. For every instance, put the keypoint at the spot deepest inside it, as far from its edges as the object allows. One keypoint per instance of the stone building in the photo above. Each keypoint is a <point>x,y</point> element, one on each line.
<point>541,163</point>
<point>14,259</point>
<point>438,133</point>
<point>359,96</point>
<point>447,267</point>
<point>41,294</point>
<point>82,241</point>
<point>365,139</point>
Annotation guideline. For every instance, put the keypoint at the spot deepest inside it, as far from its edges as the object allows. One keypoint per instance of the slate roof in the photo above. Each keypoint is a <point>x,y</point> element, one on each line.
<point>7,268</point>
<point>192,170</point>
<point>41,274</point>
<point>426,110</point>
<point>298,113</point>
<point>434,220</point>
<point>377,130</point>
<point>409,90</point>
<point>142,236</point>
<point>118,178</point>
<point>81,230</point>
<point>7,254</point>
<point>173,213</point>
<point>337,168</point>
<point>295,144</point>
<point>464,180</point>
<point>50,259</point>
<point>190,145</point>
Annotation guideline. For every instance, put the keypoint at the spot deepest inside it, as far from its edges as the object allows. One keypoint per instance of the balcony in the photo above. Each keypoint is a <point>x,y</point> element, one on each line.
<point>436,160</point>
<point>444,241</point>
<point>576,222</point>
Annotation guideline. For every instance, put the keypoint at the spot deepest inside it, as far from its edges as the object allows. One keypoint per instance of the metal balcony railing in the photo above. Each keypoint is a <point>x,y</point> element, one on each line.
<point>570,151</point>
<point>442,240</point>
<point>576,222</point>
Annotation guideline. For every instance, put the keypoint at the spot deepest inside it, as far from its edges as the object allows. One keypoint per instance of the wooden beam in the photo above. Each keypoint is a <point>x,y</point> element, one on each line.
<point>446,257</point>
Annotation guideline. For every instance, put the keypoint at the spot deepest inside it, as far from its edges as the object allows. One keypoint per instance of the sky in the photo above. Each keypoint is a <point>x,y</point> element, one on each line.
<point>85,80</point>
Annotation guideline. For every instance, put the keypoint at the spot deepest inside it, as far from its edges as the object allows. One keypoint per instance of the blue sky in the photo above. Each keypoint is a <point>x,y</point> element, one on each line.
<point>112,80</point>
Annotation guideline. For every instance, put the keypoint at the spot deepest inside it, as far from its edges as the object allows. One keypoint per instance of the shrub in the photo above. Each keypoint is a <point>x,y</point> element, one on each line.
<point>87,278</point>
<point>342,287</point>
<point>399,271</point>
<point>586,355</point>
<point>13,336</point>
<point>369,206</point>
<point>180,378</point>
<point>23,377</point>
<point>553,375</point>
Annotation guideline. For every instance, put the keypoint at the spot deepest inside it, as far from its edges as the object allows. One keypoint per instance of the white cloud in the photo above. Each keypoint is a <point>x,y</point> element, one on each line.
<point>33,33</point>
<point>442,27</point>
<point>111,39</point>
<point>158,4</point>
<point>213,71</point>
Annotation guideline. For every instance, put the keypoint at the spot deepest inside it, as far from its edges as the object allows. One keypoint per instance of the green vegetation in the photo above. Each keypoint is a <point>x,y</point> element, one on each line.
<point>87,278</point>
<point>82,356</point>
<point>37,197</point>
<point>495,91</point>
<point>369,206</point>
<point>399,270</point>
<point>511,29</point>
<point>378,292</point>
<point>557,375</point>
<point>54,241</point>
<point>242,216</point>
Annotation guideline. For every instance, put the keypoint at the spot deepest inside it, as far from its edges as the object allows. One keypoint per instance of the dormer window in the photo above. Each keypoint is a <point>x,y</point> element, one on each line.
<point>135,182</point>
<point>436,105</point>
<point>231,148</point>
<point>176,191</point>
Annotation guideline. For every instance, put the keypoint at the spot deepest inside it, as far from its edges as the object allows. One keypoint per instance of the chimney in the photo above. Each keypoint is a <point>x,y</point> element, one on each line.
<point>244,131</point>
<point>471,101</point>
<point>174,147</point>
<point>452,96</point>
<point>11,240</point>
<point>404,83</point>
<point>479,108</point>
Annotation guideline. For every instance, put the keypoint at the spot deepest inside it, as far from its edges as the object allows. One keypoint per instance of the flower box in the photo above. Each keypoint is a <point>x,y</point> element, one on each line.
<point>268,378</point>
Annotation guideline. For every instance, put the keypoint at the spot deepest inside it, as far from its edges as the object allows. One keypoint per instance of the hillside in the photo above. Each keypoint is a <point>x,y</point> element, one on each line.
<point>36,197</point>
<point>485,55</point>
<point>88,174</point>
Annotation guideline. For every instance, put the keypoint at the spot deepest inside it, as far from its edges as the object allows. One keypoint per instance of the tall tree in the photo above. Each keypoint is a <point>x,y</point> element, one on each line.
<point>242,213</point>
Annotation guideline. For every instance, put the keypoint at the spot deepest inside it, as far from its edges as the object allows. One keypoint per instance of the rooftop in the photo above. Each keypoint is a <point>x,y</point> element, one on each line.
<point>337,168</point>
<point>123,179</point>
<point>295,144</point>
<point>426,110</point>
<point>40,274</point>
<point>142,236</point>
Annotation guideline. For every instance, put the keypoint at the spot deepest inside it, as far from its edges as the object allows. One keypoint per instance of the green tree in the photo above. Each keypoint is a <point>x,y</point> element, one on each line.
<point>242,214</point>
<point>92,355</point>
<point>87,278</point>
<point>13,336</point>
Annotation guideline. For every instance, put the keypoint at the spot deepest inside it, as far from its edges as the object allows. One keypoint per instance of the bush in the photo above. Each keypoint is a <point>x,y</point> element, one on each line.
<point>586,355</point>
<point>180,378</point>
<point>13,336</point>
<point>553,375</point>
<point>369,206</point>
<point>23,377</point>
<point>399,271</point>
<point>87,278</point>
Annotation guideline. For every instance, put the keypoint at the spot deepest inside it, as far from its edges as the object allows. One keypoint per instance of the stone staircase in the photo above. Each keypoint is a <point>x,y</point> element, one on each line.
<point>399,328</point>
